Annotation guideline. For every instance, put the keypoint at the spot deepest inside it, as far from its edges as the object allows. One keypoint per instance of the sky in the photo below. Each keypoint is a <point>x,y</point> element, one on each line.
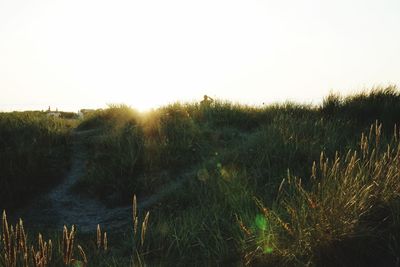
<point>73,54</point>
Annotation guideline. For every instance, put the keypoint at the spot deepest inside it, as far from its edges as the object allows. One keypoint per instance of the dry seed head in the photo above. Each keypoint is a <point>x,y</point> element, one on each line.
<point>68,244</point>
<point>242,226</point>
<point>321,160</point>
<point>40,241</point>
<point>258,203</point>
<point>71,240</point>
<point>6,233</point>
<point>22,238</point>
<point>336,163</point>
<point>378,130</point>
<point>65,237</point>
<point>364,145</point>
<point>281,185</point>
<point>134,214</point>
<point>50,250</point>
<point>65,244</point>
<point>16,238</point>
<point>362,140</point>
<point>370,132</point>
<point>286,226</point>
<point>105,242</point>
<point>144,227</point>
<point>134,207</point>
<point>325,168</point>
<point>7,239</point>
<point>98,236</point>
<point>83,255</point>
<point>26,259</point>
<point>313,172</point>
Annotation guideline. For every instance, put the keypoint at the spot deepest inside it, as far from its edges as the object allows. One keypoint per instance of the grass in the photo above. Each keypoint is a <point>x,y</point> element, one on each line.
<point>17,250</point>
<point>347,215</point>
<point>34,153</point>
<point>279,185</point>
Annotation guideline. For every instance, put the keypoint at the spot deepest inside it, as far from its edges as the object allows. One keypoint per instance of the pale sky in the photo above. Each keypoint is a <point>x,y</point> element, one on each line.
<point>74,54</point>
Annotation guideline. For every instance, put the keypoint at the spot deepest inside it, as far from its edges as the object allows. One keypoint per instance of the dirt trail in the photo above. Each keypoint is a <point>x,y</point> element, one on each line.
<point>62,207</point>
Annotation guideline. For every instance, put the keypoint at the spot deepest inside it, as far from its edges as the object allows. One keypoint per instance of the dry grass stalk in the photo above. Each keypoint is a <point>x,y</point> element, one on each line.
<point>68,244</point>
<point>138,249</point>
<point>105,242</point>
<point>83,256</point>
<point>101,239</point>
<point>23,243</point>
<point>134,214</point>
<point>144,228</point>
<point>98,236</point>
<point>42,257</point>
<point>16,252</point>
<point>342,194</point>
<point>243,226</point>
<point>8,248</point>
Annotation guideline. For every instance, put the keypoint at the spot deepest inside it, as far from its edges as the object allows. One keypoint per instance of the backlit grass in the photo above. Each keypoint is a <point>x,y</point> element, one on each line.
<point>280,185</point>
<point>34,154</point>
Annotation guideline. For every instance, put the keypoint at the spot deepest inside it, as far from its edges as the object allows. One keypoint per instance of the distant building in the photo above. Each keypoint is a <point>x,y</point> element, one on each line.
<point>54,114</point>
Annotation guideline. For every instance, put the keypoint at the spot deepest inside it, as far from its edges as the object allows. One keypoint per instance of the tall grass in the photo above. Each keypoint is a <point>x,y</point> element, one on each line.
<point>34,153</point>
<point>17,250</point>
<point>347,215</point>
<point>377,104</point>
<point>242,200</point>
<point>234,154</point>
<point>115,155</point>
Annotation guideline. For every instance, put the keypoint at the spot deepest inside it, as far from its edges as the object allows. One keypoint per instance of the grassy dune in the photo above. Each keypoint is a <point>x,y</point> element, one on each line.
<point>281,185</point>
<point>34,153</point>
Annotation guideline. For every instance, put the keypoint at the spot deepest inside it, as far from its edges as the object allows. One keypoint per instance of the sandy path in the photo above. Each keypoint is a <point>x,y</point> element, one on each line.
<point>62,207</point>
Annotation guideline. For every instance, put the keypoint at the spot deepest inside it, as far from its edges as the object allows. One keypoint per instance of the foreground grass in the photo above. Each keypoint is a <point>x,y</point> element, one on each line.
<point>66,250</point>
<point>282,185</point>
<point>347,215</point>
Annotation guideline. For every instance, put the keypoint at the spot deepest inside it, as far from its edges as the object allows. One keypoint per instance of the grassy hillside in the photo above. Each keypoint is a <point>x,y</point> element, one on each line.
<point>280,185</point>
<point>33,155</point>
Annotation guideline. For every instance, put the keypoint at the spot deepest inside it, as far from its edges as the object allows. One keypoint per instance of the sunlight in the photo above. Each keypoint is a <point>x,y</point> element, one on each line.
<point>74,54</point>
<point>199,133</point>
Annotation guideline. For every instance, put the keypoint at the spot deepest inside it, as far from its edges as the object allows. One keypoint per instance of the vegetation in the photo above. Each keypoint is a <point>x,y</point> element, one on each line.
<point>34,153</point>
<point>18,250</point>
<point>280,185</point>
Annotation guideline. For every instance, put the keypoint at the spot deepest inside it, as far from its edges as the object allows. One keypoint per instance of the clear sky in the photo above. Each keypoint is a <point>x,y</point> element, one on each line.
<point>74,54</point>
